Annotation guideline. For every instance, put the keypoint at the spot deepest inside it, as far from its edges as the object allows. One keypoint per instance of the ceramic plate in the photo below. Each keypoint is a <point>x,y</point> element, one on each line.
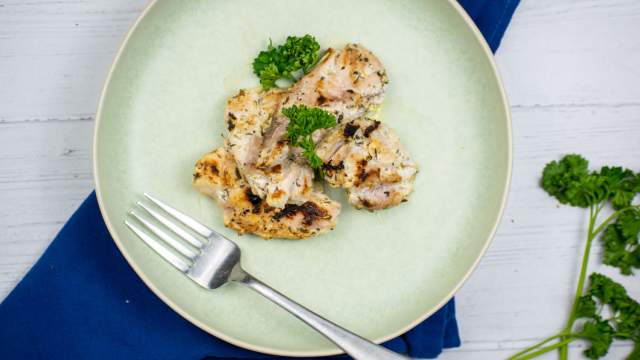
<point>378,274</point>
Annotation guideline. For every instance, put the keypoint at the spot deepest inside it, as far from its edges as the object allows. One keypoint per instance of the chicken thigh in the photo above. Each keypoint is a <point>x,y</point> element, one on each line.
<point>217,176</point>
<point>366,158</point>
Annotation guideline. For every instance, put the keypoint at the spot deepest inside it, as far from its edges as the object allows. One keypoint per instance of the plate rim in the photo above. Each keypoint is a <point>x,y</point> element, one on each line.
<point>267,350</point>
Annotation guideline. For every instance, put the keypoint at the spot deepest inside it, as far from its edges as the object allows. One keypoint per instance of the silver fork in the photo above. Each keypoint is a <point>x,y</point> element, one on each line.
<point>212,260</point>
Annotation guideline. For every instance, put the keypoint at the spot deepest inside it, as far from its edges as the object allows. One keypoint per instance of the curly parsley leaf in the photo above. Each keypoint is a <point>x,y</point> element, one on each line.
<point>625,310</point>
<point>586,307</point>
<point>303,121</point>
<point>589,190</point>
<point>628,321</point>
<point>606,290</point>
<point>269,75</point>
<point>297,53</point>
<point>624,322</point>
<point>561,178</point>
<point>635,354</point>
<point>629,223</point>
<point>622,184</point>
<point>620,240</point>
<point>310,153</point>
<point>600,335</point>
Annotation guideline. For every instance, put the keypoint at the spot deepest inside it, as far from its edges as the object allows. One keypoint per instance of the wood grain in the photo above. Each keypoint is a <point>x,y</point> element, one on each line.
<point>570,69</point>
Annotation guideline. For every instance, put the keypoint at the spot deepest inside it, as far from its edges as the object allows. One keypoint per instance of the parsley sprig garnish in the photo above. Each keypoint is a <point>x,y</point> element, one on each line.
<point>280,62</point>
<point>605,310</point>
<point>303,121</point>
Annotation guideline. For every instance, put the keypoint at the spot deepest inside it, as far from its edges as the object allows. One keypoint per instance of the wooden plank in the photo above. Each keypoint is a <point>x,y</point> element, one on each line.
<point>572,52</point>
<point>46,173</point>
<point>54,55</point>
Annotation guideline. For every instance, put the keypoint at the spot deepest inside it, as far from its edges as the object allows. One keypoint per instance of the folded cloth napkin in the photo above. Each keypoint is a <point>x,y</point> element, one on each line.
<point>81,300</point>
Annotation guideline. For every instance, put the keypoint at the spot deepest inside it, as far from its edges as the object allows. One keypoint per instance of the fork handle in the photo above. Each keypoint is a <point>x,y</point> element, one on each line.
<point>352,344</point>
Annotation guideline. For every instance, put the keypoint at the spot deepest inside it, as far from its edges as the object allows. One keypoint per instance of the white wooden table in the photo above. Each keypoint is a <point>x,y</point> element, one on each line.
<point>572,73</point>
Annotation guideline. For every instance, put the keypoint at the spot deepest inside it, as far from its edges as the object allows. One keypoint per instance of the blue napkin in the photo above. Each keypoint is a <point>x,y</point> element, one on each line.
<point>81,300</point>
<point>491,16</point>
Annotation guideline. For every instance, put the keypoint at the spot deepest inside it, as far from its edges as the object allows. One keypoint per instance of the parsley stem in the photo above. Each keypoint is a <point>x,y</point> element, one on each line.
<point>562,344</point>
<point>583,268</point>
<point>598,209</point>
<point>593,213</point>
<point>535,346</point>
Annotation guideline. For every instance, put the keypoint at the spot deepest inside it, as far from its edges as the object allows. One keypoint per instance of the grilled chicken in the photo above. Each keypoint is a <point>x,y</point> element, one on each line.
<point>347,82</point>
<point>265,186</point>
<point>217,175</point>
<point>247,115</point>
<point>283,178</point>
<point>366,158</point>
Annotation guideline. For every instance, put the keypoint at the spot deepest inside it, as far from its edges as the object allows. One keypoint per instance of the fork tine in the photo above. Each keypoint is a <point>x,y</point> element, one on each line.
<point>192,223</point>
<point>172,226</point>
<point>177,245</point>
<point>170,257</point>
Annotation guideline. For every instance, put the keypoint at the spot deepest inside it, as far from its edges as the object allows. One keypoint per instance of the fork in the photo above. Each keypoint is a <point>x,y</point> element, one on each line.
<point>212,260</point>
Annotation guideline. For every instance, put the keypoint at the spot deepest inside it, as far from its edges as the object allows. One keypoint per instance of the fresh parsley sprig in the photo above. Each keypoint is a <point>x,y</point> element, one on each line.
<point>280,62</point>
<point>570,182</point>
<point>303,121</point>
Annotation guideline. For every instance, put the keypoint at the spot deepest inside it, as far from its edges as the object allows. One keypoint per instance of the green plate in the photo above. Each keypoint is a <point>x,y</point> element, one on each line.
<point>378,274</point>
